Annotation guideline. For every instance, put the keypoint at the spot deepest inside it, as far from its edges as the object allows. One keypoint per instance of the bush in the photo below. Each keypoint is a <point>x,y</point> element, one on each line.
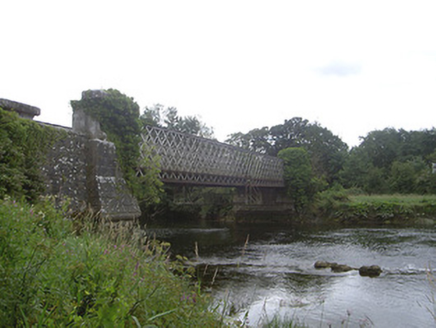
<point>52,276</point>
<point>330,200</point>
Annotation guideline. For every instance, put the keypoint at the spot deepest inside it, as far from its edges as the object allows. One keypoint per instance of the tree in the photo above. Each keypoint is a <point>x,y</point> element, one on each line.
<point>293,133</point>
<point>382,147</point>
<point>355,170</point>
<point>169,118</point>
<point>327,152</point>
<point>298,177</point>
<point>403,177</point>
<point>257,140</point>
<point>391,160</point>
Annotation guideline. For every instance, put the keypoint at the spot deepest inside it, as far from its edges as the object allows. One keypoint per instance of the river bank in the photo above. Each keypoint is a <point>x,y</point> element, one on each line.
<point>405,210</point>
<point>59,271</point>
<point>329,208</point>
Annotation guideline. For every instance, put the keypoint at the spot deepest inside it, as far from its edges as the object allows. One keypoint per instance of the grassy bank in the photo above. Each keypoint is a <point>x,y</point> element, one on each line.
<point>386,209</point>
<point>57,272</point>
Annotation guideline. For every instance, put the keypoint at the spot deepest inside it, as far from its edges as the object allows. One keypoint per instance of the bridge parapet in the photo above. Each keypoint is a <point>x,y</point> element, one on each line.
<point>189,159</point>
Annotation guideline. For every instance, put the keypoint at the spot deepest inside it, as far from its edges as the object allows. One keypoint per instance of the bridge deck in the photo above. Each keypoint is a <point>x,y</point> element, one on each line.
<point>190,159</point>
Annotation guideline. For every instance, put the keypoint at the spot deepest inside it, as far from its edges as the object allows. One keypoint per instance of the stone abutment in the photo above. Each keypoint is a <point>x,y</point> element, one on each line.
<point>82,167</point>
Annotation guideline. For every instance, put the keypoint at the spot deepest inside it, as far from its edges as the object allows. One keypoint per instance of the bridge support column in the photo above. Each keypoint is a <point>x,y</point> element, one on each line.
<point>107,189</point>
<point>259,196</point>
<point>108,193</point>
<point>260,203</point>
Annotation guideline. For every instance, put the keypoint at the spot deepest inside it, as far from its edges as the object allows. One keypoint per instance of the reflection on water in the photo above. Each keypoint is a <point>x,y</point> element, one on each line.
<point>273,272</point>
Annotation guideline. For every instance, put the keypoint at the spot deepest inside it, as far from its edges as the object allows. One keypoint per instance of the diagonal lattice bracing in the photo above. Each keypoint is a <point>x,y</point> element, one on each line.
<point>189,159</point>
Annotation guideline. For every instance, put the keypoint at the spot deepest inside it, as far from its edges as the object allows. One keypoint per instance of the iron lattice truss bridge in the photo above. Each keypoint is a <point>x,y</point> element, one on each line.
<point>188,159</point>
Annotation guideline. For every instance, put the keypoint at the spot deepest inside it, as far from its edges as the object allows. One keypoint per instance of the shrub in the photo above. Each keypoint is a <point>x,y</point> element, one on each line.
<point>330,200</point>
<point>52,276</point>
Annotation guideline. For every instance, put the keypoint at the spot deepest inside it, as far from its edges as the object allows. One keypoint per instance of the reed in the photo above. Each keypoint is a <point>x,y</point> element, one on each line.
<point>244,248</point>
<point>431,308</point>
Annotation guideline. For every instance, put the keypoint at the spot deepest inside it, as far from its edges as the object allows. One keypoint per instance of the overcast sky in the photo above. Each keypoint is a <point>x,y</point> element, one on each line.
<point>351,66</point>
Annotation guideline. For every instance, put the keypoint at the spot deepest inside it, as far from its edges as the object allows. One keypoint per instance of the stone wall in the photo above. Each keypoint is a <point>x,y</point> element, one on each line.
<point>107,189</point>
<point>65,170</point>
<point>86,172</point>
<point>82,166</point>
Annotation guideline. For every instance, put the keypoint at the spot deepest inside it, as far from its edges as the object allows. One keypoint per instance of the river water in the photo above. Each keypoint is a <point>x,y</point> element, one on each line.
<point>258,271</point>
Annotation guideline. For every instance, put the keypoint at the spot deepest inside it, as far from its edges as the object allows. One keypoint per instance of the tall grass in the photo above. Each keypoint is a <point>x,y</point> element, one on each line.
<point>410,199</point>
<point>56,272</point>
<point>344,206</point>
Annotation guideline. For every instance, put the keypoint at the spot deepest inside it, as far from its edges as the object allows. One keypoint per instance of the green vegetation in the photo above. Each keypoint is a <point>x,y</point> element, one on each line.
<point>57,272</point>
<point>118,116</point>
<point>411,200</point>
<point>392,161</point>
<point>327,152</point>
<point>279,322</point>
<point>169,118</point>
<point>340,206</point>
<point>386,162</point>
<point>298,176</point>
<point>23,145</point>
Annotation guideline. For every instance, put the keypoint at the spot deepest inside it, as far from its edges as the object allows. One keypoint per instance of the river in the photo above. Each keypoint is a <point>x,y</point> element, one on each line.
<point>257,271</point>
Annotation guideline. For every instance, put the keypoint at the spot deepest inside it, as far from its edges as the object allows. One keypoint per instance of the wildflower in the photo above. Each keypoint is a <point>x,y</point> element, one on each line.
<point>136,269</point>
<point>189,298</point>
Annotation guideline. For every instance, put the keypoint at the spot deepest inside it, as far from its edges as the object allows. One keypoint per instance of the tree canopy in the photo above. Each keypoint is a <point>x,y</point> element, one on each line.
<point>392,161</point>
<point>326,151</point>
<point>169,118</point>
<point>386,161</point>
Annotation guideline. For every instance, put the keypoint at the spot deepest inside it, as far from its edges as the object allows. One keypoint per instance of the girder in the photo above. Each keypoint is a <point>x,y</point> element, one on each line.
<point>190,159</point>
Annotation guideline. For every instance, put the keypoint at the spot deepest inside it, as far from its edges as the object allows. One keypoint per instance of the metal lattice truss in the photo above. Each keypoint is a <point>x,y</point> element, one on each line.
<point>189,159</point>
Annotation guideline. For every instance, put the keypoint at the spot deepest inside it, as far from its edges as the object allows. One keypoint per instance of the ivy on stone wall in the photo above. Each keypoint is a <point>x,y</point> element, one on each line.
<point>23,146</point>
<point>118,116</point>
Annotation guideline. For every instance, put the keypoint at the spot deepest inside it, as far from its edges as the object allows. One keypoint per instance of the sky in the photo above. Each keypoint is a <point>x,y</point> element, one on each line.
<point>351,66</point>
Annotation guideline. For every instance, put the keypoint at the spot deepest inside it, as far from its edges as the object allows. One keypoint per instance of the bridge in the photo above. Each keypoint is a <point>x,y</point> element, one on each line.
<point>191,160</point>
<point>82,166</point>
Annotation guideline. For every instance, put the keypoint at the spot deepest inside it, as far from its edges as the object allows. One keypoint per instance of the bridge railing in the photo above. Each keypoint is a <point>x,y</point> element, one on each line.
<point>190,159</point>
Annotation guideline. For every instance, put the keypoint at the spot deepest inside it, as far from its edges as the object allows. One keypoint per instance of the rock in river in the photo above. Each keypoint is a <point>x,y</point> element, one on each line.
<point>341,268</point>
<point>370,271</point>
